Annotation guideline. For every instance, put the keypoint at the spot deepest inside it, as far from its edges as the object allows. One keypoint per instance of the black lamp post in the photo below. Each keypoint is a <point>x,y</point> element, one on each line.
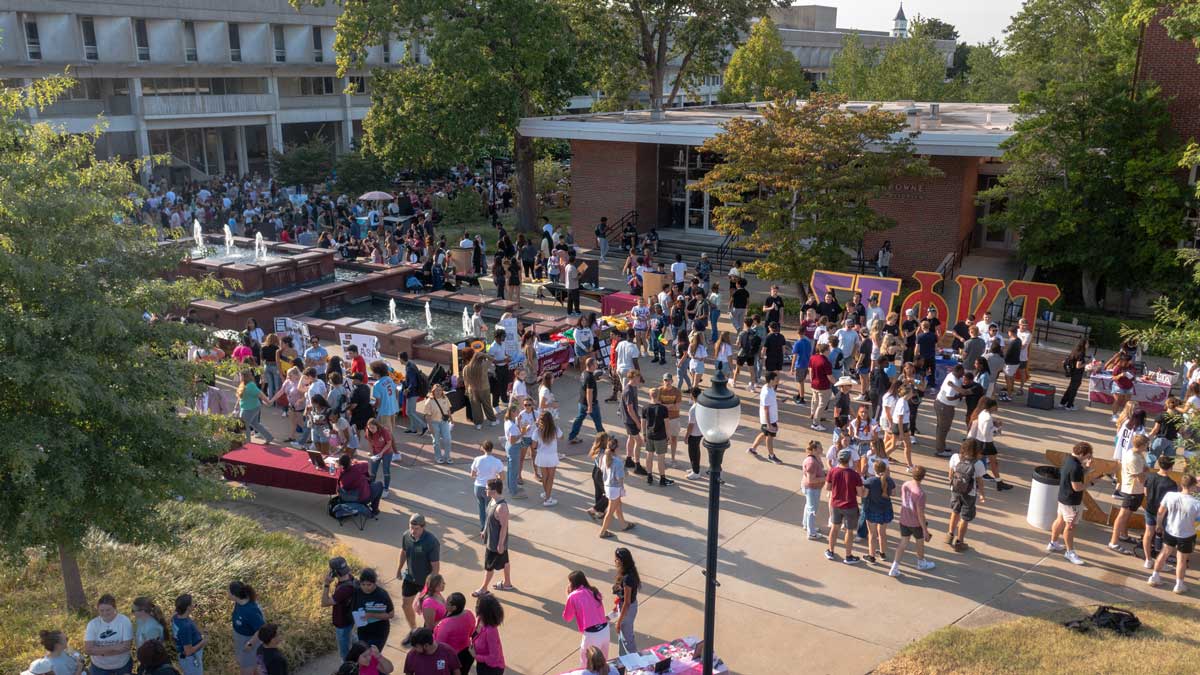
<point>718,412</point>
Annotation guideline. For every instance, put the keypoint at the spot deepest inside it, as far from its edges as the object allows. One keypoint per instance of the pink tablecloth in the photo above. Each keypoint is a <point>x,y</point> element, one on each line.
<point>277,466</point>
<point>617,303</point>
<point>1149,396</point>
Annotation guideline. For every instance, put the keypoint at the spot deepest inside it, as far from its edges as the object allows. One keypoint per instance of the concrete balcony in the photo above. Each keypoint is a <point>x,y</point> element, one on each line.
<point>228,104</point>
<point>302,102</point>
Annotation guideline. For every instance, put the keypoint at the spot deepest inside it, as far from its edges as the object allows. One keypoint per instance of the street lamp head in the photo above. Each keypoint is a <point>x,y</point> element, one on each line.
<point>718,410</point>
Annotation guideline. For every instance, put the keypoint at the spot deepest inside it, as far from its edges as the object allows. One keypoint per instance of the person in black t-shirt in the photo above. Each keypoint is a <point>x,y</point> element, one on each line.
<point>1012,363</point>
<point>589,402</point>
<point>739,301</point>
<point>1070,499</point>
<point>856,310</point>
<point>655,429</point>
<point>373,605</point>
<point>829,307</point>
<point>773,348</point>
<point>1157,486</point>
<point>270,657</point>
<point>773,307</point>
<point>931,316</point>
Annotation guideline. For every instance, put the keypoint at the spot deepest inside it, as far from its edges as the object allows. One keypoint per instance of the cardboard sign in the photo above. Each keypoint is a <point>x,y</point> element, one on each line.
<point>297,329</point>
<point>368,345</point>
<point>975,294</point>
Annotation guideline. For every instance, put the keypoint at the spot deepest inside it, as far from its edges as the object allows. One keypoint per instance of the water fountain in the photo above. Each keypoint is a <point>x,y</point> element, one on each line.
<point>466,323</point>
<point>228,241</point>
<point>392,311</point>
<point>260,247</point>
<point>428,315</point>
<point>198,237</point>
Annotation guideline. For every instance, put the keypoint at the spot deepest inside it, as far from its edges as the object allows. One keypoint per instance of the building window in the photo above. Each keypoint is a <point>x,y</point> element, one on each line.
<point>235,43</point>
<point>387,49</point>
<point>318,47</point>
<point>280,45</point>
<point>85,89</point>
<point>142,39</point>
<point>33,43</point>
<point>360,85</point>
<point>189,41</point>
<point>91,51</point>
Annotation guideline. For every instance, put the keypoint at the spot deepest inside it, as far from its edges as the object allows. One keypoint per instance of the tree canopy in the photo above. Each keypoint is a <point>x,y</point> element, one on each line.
<point>652,45</point>
<point>91,392</point>
<point>804,175</point>
<point>491,62</point>
<point>759,64</point>
<point>911,68</point>
<point>305,164</point>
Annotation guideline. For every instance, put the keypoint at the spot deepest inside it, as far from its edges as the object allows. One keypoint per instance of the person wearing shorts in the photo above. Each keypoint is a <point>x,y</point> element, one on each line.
<point>655,418</point>
<point>845,489</point>
<point>670,396</point>
<point>1070,501</point>
<point>495,539</point>
<point>963,504</point>
<point>420,556</point>
<point>1177,516</point>
<point>1158,485</point>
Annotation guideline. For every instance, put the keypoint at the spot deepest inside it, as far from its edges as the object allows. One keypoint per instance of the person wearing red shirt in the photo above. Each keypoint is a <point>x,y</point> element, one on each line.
<point>820,370</point>
<point>354,480</point>
<point>845,489</point>
<point>357,363</point>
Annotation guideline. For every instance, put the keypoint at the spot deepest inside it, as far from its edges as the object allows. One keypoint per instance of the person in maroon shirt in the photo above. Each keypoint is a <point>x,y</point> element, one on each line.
<point>354,480</point>
<point>820,372</point>
<point>430,657</point>
<point>845,489</point>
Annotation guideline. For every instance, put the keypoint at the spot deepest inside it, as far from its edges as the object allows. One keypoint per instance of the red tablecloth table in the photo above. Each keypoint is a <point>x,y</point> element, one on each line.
<point>617,303</point>
<point>277,466</point>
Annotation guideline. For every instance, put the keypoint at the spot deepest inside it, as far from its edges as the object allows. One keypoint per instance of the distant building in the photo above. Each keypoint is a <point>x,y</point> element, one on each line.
<point>214,84</point>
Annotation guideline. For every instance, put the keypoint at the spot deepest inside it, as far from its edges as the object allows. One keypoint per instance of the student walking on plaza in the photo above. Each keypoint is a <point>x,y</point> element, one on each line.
<point>983,427</point>
<point>913,524</point>
<point>768,418</point>
<point>1071,487</point>
<point>1158,485</point>
<point>614,488</point>
<point>420,556</point>
<point>596,454</point>
<point>814,479</point>
<point>625,588</point>
<point>1133,491</point>
<point>495,539</point>
<point>654,427</point>
<point>845,489</point>
<point>589,401</point>
<point>484,468</point>
<point>1177,523</point>
<point>250,401</point>
<point>1075,365</point>
<point>966,490</point>
<point>584,605</point>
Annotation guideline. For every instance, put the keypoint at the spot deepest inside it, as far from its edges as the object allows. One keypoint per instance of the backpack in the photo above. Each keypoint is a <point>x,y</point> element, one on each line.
<point>1123,621</point>
<point>962,479</point>
<point>421,386</point>
<point>341,510</point>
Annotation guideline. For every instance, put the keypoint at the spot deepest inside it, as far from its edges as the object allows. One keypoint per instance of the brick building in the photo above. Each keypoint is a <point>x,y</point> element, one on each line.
<point>631,162</point>
<point>1173,66</point>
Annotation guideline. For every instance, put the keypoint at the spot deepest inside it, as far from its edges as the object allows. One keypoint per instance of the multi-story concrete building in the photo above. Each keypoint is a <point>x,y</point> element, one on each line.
<point>811,34</point>
<point>214,84</point>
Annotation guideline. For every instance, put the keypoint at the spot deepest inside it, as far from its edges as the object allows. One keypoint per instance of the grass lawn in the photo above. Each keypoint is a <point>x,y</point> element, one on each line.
<point>1166,643</point>
<point>211,547</point>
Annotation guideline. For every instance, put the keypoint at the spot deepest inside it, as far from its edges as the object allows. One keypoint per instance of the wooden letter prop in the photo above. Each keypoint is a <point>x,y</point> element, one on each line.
<point>925,297</point>
<point>824,280</point>
<point>1032,293</point>
<point>887,288</point>
<point>966,288</point>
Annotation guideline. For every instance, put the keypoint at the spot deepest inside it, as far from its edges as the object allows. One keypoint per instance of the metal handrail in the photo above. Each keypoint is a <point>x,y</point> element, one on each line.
<point>614,231</point>
<point>723,250</point>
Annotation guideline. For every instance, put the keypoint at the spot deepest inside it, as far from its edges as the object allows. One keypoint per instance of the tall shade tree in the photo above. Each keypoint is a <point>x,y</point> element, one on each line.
<point>666,44</point>
<point>988,75</point>
<point>491,62</point>
<point>759,64</point>
<point>803,174</point>
<point>305,164</point>
<point>909,69</point>
<point>1092,187</point>
<point>1056,41</point>
<point>91,392</point>
<point>850,72</point>
<point>933,28</point>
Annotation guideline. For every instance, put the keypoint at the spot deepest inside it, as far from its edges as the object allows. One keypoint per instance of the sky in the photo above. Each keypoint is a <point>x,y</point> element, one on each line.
<point>976,20</point>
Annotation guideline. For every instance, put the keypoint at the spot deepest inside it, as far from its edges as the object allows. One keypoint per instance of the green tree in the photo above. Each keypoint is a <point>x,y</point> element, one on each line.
<point>850,72</point>
<point>988,75</point>
<point>909,69</point>
<point>91,393</point>
<point>492,62</point>
<point>669,45</point>
<point>359,172</point>
<point>1092,186</point>
<point>1057,41</point>
<point>759,64</point>
<point>933,28</point>
<point>804,175</point>
<point>305,164</point>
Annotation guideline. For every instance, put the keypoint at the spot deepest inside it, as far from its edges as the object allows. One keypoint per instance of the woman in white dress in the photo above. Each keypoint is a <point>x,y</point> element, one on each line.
<point>546,457</point>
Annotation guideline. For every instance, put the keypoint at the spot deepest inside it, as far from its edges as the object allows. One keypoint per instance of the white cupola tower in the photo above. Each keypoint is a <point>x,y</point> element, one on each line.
<point>900,24</point>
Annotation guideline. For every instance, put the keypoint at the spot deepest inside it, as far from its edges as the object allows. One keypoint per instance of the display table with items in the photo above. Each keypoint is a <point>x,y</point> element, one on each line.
<point>559,292</point>
<point>1150,391</point>
<point>617,303</point>
<point>677,656</point>
<point>278,466</point>
<point>942,368</point>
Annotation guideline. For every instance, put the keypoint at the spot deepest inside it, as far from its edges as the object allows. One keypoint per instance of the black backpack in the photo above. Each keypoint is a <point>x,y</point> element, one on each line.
<point>422,384</point>
<point>1123,621</point>
<point>962,479</point>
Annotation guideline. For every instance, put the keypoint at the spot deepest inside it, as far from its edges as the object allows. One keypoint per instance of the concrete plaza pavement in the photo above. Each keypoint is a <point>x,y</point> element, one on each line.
<point>779,597</point>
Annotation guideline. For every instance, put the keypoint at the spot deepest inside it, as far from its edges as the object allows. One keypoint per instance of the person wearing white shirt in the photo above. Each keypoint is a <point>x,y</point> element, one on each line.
<point>484,468</point>
<point>108,637</point>
<point>874,311</point>
<point>1026,337</point>
<point>1177,514</point>
<point>466,242</point>
<point>678,269</point>
<point>478,325</point>
<point>983,428</point>
<point>768,418</point>
<point>983,323</point>
<point>948,397</point>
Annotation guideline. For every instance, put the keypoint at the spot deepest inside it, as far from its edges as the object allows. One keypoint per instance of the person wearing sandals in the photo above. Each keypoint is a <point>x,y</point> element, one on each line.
<point>877,506</point>
<point>495,540</point>
<point>1133,491</point>
<point>585,607</point>
<point>614,488</point>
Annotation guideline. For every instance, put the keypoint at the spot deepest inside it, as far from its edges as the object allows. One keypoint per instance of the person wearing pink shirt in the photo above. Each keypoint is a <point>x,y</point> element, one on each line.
<point>455,629</point>
<point>585,607</point>
<point>489,653</point>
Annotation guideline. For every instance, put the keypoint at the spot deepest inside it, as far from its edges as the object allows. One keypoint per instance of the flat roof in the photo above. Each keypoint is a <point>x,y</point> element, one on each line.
<point>961,129</point>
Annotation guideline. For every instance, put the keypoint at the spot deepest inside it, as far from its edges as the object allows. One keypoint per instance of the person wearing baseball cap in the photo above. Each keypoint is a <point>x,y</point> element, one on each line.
<point>341,581</point>
<point>39,667</point>
<point>845,489</point>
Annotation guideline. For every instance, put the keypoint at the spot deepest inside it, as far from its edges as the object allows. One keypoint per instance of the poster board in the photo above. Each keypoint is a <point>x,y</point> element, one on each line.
<point>512,341</point>
<point>297,329</point>
<point>368,345</point>
<point>652,284</point>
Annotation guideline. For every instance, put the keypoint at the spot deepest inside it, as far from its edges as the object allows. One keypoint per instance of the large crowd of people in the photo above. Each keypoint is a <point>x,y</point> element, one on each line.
<point>857,371</point>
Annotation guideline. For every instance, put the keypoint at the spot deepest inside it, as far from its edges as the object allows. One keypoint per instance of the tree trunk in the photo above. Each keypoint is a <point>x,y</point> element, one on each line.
<point>527,208</point>
<point>1088,282</point>
<point>72,582</point>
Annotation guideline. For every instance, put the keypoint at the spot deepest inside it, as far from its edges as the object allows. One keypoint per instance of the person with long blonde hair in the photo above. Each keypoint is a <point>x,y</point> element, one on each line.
<point>596,454</point>
<point>613,469</point>
<point>546,458</point>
